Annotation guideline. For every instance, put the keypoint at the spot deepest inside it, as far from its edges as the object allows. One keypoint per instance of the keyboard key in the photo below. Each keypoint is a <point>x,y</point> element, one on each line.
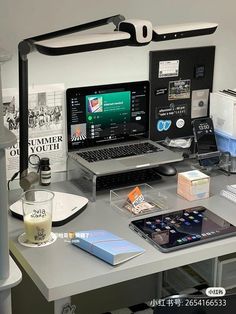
<point>119,152</point>
<point>127,178</point>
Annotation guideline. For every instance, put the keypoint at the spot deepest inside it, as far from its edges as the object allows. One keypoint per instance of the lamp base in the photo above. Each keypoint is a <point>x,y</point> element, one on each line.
<point>65,208</point>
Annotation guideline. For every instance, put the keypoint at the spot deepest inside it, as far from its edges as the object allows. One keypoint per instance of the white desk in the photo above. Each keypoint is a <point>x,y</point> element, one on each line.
<point>62,270</point>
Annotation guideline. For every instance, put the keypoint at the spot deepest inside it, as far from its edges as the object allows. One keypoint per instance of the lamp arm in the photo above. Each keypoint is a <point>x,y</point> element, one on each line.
<point>116,19</point>
<point>26,180</point>
<point>25,47</point>
<point>23,111</point>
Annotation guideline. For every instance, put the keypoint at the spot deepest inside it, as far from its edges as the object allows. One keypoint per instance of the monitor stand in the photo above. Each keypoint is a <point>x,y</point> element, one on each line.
<point>89,183</point>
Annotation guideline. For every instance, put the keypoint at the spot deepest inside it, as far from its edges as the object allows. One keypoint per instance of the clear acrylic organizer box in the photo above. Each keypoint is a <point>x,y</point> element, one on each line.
<point>119,200</point>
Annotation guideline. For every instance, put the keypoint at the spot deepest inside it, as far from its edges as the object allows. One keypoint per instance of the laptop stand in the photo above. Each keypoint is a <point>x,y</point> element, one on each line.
<point>90,183</point>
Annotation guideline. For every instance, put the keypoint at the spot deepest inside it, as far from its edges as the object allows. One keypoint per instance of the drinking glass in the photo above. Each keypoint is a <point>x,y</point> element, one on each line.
<point>37,212</point>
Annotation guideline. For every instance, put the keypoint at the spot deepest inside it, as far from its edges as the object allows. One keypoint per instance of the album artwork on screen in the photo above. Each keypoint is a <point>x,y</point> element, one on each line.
<point>181,81</point>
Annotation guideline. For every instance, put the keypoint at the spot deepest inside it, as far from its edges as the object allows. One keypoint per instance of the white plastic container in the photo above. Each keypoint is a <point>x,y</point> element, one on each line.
<point>227,143</point>
<point>219,271</point>
<point>223,112</point>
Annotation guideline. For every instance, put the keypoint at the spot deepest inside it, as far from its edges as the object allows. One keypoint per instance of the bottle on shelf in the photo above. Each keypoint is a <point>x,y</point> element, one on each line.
<point>45,171</point>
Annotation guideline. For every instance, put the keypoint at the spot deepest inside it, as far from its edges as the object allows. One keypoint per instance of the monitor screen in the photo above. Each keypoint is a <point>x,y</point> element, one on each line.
<point>107,113</point>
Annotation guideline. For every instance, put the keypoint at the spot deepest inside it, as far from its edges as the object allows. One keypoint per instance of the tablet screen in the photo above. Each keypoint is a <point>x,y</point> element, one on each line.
<point>183,228</point>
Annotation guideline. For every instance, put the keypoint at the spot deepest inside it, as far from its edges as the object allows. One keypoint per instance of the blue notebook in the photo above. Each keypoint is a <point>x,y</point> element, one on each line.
<point>107,246</point>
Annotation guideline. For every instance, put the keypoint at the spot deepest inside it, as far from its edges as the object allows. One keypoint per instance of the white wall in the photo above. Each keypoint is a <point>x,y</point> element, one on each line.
<point>25,18</point>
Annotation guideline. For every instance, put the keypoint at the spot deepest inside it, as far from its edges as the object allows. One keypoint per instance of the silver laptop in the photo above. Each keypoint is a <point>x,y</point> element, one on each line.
<point>108,128</point>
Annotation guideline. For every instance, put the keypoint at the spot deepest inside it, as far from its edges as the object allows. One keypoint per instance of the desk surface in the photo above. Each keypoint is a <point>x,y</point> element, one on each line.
<point>62,270</point>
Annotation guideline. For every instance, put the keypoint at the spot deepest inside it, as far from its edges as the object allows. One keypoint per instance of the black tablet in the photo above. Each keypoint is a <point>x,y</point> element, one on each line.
<point>183,228</point>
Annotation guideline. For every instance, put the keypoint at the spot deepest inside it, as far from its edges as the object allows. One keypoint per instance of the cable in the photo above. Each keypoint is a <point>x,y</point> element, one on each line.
<point>12,179</point>
<point>34,160</point>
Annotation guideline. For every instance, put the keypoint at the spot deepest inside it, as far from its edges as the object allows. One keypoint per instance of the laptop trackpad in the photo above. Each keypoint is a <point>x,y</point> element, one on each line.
<point>135,161</point>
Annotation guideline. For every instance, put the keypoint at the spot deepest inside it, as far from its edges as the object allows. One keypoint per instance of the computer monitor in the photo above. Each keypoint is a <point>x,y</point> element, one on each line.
<point>107,113</point>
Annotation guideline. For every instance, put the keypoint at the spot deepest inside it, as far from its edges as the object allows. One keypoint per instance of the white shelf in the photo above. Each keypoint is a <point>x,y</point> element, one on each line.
<point>13,279</point>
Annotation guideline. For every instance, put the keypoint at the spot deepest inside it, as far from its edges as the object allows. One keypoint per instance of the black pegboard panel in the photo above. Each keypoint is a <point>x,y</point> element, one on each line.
<point>181,81</point>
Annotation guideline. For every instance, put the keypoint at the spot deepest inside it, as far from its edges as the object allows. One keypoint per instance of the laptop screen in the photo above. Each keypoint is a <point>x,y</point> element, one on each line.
<point>106,113</point>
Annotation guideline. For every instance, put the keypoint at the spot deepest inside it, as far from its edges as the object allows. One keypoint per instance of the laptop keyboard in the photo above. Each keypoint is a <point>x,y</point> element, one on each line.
<point>127,178</point>
<point>119,152</point>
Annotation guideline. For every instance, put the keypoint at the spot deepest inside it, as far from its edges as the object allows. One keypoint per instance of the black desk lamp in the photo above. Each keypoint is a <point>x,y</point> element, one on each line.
<point>66,41</point>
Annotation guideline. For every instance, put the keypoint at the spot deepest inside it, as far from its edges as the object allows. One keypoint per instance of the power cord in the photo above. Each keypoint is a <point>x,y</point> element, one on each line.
<point>12,179</point>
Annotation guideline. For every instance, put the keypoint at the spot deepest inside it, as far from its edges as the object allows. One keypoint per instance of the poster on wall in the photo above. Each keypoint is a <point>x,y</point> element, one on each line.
<point>179,89</point>
<point>169,68</point>
<point>180,84</point>
<point>199,106</point>
<point>46,123</point>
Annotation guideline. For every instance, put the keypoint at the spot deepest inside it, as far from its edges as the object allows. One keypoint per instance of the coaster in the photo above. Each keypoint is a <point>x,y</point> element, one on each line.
<point>23,241</point>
